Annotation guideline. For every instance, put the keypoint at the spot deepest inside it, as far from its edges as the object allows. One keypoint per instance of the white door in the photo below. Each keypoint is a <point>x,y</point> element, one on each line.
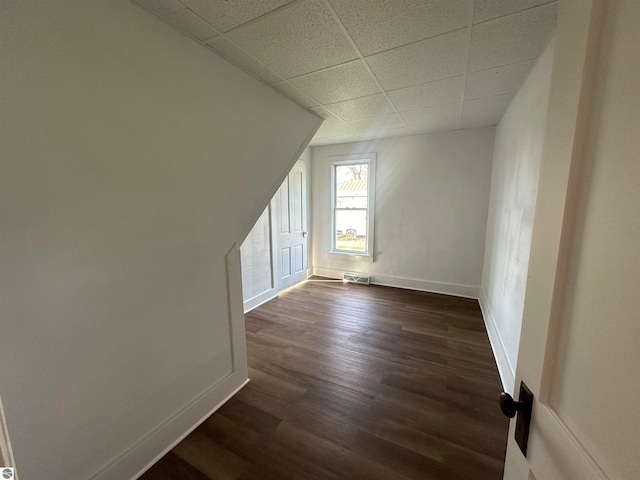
<point>579,350</point>
<point>291,225</point>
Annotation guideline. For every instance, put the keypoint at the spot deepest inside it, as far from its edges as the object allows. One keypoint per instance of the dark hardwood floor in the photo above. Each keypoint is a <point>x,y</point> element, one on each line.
<point>358,382</point>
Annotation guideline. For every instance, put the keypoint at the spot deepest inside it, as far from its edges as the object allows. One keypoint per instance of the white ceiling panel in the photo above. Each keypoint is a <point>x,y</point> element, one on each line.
<point>238,57</point>
<point>297,40</point>
<point>435,128</point>
<point>225,15</point>
<point>429,94</point>
<point>176,14</point>
<point>294,94</point>
<point>335,140</point>
<point>371,106</point>
<point>405,66</point>
<point>335,130</point>
<point>441,117</point>
<point>372,124</point>
<point>512,39</point>
<point>343,82</point>
<point>390,132</point>
<point>372,68</point>
<point>484,111</point>
<point>322,112</point>
<point>490,9</point>
<point>377,25</point>
<point>497,81</point>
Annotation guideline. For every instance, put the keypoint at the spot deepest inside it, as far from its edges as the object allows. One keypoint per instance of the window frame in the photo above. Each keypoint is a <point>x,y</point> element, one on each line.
<point>345,160</point>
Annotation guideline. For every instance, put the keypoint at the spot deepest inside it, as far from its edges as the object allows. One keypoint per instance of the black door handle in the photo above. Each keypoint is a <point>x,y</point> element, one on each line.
<point>509,406</point>
<point>523,408</point>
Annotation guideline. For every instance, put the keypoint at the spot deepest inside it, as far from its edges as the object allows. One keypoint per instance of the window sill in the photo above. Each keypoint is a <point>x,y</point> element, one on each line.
<point>352,257</point>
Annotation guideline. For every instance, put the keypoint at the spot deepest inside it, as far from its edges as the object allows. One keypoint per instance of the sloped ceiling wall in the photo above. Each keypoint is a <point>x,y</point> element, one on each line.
<point>132,162</point>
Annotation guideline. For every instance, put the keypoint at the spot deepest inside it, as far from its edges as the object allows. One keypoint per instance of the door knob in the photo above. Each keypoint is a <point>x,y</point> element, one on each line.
<point>509,406</point>
<point>523,408</point>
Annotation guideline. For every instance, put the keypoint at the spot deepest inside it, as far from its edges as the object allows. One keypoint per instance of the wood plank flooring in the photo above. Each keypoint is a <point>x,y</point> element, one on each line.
<point>358,382</point>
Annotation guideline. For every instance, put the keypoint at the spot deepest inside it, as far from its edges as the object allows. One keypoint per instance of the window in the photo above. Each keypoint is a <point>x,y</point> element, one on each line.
<point>352,189</point>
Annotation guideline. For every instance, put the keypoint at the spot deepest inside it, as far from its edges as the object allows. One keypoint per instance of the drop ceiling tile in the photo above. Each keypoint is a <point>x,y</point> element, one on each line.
<point>225,15</point>
<point>512,39</point>
<point>389,132</point>
<point>484,111</point>
<point>489,9</point>
<point>370,106</point>
<point>335,130</point>
<point>343,82</point>
<point>377,25</point>
<point>335,140</point>
<point>294,94</point>
<point>429,94</point>
<point>497,81</point>
<point>297,40</point>
<point>435,128</point>
<point>439,118</point>
<point>371,124</point>
<point>421,62</point>
<point>176,14</point>
<point>239,58</point>
<point>329,118</point>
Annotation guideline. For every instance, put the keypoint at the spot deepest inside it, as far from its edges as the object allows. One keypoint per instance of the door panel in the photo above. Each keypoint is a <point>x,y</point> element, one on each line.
<point>298,259</point>
<point>578,349</point>
<point>285,262</point>
<point>283,207</point>
<point>297,200</point>
<point>292,240</point>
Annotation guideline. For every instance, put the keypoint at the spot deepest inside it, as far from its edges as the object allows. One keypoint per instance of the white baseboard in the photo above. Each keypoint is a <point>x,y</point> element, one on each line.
<point>137,459</point>
<point>466,291</point>
<point>505,369</point>
<point>144,454</point>
<point>260,299</point>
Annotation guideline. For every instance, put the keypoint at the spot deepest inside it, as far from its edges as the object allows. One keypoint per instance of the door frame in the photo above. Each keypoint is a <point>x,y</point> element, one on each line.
<point>574,66</point>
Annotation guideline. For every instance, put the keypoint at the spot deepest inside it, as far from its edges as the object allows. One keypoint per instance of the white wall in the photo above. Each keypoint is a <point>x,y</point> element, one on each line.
<point>432,195</point>
<point>124,184</point>
<point>514,187</point>
<point>258,280</point>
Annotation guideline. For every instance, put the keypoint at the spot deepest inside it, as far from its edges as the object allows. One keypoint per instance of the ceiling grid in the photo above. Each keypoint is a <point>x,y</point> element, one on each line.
<point>377,68</point>
<point>355,47</point>
<point>472,12</point>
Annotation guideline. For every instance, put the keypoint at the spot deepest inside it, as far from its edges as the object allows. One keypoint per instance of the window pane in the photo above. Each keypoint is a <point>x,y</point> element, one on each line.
<point>351,186</point>
<point>351,230</point>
